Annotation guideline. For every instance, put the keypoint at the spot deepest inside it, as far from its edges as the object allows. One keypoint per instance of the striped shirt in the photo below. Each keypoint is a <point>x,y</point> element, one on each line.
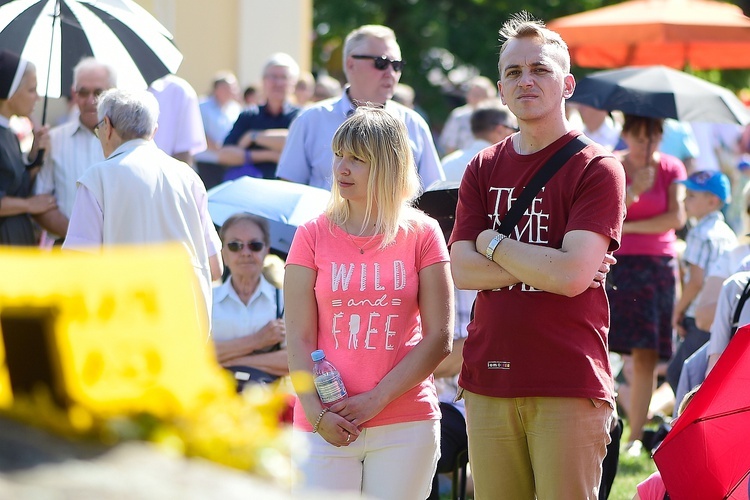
<point>73,149</point>
<point>705,243</point>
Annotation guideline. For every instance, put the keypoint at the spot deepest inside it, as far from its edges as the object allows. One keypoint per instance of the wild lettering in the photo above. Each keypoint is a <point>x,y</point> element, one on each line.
<point>369,328</point>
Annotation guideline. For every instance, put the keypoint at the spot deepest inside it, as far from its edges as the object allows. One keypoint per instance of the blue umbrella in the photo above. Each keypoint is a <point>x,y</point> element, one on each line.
<point>284,204</point>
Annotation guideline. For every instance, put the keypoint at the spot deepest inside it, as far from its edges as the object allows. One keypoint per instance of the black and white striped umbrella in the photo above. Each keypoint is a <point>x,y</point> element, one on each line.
<point>56,34</point>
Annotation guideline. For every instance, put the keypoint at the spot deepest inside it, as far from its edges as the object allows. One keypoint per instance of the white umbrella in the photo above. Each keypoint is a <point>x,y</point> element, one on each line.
<point>284,204</point>
<point>56,34</point>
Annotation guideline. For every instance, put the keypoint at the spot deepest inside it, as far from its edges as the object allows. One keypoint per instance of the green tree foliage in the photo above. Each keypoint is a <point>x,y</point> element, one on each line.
<point>444,42</point>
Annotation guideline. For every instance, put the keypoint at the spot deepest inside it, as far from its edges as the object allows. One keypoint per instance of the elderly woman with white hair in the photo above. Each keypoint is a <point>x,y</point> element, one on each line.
<point>17,205</point>
<point>141,195</point>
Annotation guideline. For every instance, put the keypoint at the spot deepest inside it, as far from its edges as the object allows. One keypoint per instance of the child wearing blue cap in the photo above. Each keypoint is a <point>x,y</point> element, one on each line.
<point>708,239</point>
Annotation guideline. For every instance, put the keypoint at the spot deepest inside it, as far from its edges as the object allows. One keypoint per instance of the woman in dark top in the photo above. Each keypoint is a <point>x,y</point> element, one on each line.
<point>17,97</point>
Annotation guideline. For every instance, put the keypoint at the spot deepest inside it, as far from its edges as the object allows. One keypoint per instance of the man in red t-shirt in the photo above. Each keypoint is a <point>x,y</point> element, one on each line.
<point>536,375</point>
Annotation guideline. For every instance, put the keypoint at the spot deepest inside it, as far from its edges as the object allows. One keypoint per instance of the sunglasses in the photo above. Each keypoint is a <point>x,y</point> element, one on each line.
<point>382,62</point>
<point>237,246</point>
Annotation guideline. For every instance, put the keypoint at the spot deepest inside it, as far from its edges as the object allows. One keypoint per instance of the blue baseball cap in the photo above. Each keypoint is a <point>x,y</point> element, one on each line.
<point>712,181</point>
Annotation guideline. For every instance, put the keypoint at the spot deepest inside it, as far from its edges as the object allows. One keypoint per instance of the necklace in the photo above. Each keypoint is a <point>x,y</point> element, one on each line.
<point>361,249</point>
<point>348,235</point>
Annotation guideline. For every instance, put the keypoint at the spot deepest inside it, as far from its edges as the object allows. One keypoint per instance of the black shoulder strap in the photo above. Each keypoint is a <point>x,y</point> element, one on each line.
<point>738,309</point>
<point>539,180</point>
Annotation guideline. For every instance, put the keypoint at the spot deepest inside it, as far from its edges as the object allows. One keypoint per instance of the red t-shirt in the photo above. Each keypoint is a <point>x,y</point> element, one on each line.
<point>525,342</point>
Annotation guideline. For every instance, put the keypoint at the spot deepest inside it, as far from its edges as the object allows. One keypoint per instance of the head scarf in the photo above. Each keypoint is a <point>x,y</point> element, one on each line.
<point>12,68</point>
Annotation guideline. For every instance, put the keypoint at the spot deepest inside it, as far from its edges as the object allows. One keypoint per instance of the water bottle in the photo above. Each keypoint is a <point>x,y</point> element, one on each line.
<point>327,379</point>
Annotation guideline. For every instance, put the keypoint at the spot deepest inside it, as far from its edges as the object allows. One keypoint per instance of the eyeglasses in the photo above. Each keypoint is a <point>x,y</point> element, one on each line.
<point>85,93</point>
<point>96,127</point>
<point>381,62</point>
<point>237,246</point>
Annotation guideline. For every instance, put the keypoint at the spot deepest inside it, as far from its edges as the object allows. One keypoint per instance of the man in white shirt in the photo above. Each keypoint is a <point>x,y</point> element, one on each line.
<point>491,122</point>
<point>180,133</point>
<point>220,110</point>
<point>456,133</point>
<point>74,147</point>
<point>140,195</point>
<point>599,126</point>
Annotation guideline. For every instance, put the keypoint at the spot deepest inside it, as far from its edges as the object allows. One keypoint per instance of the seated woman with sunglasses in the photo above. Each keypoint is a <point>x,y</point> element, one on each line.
<point>248,329</point>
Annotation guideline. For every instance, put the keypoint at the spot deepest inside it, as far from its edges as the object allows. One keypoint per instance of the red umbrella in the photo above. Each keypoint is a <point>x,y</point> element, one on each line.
<point>702,34</point>
<point>706,455</point>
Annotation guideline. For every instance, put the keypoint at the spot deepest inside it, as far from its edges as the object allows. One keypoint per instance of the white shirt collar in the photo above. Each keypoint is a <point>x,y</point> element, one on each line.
<point>226,290</point>
<point>129,146</point>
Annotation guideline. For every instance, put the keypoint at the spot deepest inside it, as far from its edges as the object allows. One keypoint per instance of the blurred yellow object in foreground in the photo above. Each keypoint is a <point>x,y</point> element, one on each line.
<point>113,346</point>
<point>112,332</point>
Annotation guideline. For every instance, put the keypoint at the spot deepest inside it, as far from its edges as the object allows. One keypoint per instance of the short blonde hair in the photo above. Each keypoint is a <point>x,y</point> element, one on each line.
<point>382,141</point>
<point>524,25</point>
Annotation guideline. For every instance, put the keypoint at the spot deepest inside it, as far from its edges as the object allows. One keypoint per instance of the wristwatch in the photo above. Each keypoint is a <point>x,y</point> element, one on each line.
<point>493,245</point>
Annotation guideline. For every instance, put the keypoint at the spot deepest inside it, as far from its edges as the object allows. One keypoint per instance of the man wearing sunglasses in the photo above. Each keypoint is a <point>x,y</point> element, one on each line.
<point>73,146</point>
<point>140,195</point>
<point>373,66</point>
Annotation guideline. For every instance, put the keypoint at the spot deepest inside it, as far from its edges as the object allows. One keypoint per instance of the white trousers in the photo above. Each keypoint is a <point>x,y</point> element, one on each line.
<point>389,462</point>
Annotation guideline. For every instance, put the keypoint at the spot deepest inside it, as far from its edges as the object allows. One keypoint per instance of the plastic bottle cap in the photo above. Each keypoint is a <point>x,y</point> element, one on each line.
<point>317,355</point>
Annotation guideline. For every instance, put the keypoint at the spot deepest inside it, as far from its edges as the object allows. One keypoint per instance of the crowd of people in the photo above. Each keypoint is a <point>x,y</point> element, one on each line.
<point>495,339</point>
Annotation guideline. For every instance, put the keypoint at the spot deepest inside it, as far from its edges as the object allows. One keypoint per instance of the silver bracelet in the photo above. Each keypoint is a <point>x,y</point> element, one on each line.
<point>490,252</point>
<point>320,417</point>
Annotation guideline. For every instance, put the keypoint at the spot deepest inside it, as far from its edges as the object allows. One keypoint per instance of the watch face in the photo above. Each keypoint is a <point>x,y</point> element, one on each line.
<point>493,244</point>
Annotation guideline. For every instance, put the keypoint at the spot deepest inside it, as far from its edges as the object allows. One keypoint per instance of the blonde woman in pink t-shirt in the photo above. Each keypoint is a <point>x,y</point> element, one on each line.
<point>368,282</point>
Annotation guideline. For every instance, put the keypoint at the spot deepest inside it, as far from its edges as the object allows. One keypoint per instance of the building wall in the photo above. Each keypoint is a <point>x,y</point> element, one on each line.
<point>235,35</point>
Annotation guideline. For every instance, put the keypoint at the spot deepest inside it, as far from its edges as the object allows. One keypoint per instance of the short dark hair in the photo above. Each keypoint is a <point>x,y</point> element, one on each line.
<point>486,118</point>
<point>249,90</point>
<point>634,124</point>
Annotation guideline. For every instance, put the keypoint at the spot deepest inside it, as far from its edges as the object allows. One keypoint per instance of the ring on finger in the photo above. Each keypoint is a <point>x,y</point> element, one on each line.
<point>348,437</point>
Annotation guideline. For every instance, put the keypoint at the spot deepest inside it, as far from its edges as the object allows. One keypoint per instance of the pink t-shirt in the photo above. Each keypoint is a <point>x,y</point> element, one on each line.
<point>368,307</point>
<point>651,203</point>
<point>652,488</point>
